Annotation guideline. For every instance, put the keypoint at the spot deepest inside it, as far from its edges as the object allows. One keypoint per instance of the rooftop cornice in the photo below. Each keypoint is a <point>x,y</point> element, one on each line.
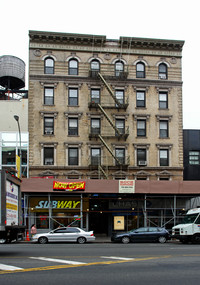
<point>86,39</point>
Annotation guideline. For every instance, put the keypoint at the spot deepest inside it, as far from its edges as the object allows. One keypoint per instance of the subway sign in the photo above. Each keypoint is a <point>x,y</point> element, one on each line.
<point>68,186</point>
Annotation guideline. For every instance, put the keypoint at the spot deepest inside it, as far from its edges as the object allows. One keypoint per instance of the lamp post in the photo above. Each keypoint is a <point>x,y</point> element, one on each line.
<point>20,149</point>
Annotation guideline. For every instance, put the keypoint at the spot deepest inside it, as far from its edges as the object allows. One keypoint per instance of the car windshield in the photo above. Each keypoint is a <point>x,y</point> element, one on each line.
<point>188,219</point>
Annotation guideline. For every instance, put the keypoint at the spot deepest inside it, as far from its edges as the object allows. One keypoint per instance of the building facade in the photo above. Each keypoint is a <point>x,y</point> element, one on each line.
<point>105,109</point>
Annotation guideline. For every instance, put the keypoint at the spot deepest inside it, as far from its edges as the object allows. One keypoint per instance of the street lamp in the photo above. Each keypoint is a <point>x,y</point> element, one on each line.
<point>20,149</point>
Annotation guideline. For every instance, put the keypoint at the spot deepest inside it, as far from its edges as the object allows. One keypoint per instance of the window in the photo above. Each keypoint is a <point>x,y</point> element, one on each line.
<point>49,65</point>
<point>48,96</point>
<point>72,156</point>
<point>140,99</point>
<point>141,128</point>
<point>95,65</point>
<point>73,127</point>
<point>95,156</point>
<point>119,94</point>
<point>120,125</point>
<point>164,129</point>
<point>48,156</point>
<point>73,97</point>
<point>140,70</point>
<point>95,126</point>
<point>120,155</point>
<point>163,100</point>
<point>194,157</point>
<point>48,125</point>
<point>73,67</point>
<point>164,157</point>
<point>8,155</point>
<point>95,96</point>
<point>119,68</point>
<point>162,71</point>
<point>141,157</point>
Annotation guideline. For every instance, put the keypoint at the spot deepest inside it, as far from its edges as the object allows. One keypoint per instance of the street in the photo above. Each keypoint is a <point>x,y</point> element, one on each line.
<point>99,263</point>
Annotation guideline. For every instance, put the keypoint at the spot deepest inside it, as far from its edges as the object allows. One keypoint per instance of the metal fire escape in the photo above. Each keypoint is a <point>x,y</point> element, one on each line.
<point>117,132</point>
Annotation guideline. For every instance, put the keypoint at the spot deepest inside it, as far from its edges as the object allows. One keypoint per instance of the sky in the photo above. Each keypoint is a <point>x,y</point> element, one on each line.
<point>171,19</point>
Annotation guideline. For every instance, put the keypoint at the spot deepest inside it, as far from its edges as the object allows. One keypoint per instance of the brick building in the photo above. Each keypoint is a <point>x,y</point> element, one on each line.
<point>105,109</point>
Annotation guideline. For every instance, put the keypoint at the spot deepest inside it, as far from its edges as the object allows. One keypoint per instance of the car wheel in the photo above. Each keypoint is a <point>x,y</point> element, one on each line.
<point>125,240</point>
<point>162,239</point>
<point>81,240</point>
<point>196,238</point>
<point>42,240</point>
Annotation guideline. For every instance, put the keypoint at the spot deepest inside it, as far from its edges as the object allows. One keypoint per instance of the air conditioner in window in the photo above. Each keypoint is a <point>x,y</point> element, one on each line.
<point>142,163</point>
<point>48,132</point>
<point>162,76</point>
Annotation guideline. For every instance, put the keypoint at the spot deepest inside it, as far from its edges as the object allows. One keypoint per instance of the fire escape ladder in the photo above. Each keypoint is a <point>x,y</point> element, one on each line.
<point>109,90</point>
<point>105,144</point>
<point>109,120</point>
<point>102,170</point>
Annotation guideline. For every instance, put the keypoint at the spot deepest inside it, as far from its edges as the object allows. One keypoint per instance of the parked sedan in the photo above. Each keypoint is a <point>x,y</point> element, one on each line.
<point>145,234</point>
<point>65,234</point>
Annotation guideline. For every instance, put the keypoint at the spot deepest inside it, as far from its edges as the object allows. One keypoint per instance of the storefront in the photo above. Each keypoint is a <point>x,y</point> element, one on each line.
<point>103,206</point>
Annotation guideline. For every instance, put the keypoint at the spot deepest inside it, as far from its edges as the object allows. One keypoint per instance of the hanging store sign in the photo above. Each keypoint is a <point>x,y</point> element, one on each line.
<point>68,186</point>
<point>126,186</point>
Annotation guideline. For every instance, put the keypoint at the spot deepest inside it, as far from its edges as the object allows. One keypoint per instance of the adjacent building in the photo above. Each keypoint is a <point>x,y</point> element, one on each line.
<point>105,109</point>
<point>191,143</point>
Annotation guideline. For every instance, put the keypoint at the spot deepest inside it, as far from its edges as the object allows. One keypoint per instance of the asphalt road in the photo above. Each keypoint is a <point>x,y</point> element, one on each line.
<point>100,264</point>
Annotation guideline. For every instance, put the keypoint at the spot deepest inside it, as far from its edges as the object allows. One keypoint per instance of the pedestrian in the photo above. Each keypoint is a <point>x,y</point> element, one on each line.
<point>33,230</point>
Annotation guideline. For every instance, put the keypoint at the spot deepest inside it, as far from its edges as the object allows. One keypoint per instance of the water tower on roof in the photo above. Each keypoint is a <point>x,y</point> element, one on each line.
<point>12,72</point>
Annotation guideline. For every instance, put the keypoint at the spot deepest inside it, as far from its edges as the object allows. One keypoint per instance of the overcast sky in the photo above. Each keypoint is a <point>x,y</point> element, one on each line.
<point>171,19</point>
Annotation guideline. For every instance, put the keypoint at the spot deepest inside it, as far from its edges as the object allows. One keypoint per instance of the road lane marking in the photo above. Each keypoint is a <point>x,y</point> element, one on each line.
<point>118,258</point>
<point>58,260</point>
<point>9,267</point>
<point>82,265</point>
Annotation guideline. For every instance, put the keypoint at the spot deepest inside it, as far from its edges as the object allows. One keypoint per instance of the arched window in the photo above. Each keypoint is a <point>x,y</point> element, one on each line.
<point>119,68</point>
<point>95,65</point>
<point>73,67</point>
<point>140,70</point>
<point>162,71</point>
<point>49,65</point>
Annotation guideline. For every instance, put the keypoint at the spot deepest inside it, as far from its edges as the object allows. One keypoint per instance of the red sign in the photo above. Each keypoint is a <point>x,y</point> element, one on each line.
<point>69,186</point>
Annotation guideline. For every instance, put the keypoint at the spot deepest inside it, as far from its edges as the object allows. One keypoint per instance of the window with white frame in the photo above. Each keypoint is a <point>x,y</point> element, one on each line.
<point>73,156</point>
<point>95,154</point>
<point>119,68</point>
<point>120,125</point>
<point>48,125</point>
<point>140,99</point>
<point>140,70</point>
<point>73,96</point>
<point>164,131</point>
<point>141,157</point>
<point>141,128</point>
<point>95,95</point>
<point>162,71</point>
<point>48,155</point>
<point>164,157</point>
<point>73,67</point>
<point>48,96</point>
<point>73,126</point>
<point>49,65</point>
<point>120,155</point>
<point>95,126</point>
<point>163,100</point>
<point>119,94</point>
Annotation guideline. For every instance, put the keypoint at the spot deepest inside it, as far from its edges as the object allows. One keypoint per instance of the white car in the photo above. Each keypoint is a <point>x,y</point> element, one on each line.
<point>65,234</point>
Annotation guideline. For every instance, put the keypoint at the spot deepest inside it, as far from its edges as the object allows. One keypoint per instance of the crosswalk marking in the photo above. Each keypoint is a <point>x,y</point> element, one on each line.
<point>119,258</point>
<point>9,267</point>
<point>58,260</point>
